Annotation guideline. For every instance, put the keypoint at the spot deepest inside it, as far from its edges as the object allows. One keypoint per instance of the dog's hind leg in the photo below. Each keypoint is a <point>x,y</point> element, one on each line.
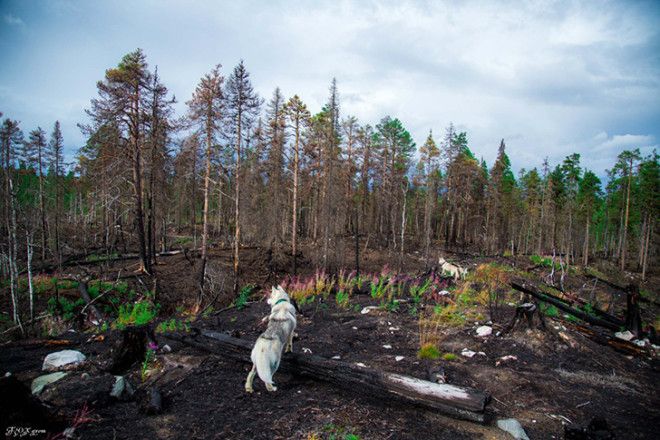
<point>289,344</point>
<point>250,379</point>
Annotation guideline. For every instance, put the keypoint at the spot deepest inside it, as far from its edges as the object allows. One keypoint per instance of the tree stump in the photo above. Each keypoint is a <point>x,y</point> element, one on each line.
<point>132,349</point>
<point>525,313</point>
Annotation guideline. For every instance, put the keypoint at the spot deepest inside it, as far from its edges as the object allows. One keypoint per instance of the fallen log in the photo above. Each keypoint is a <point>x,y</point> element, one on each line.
<point>620,345</point>
<point>454,401</point>
<point>620,288</point>
<point>82,287</point>
<point>591,274</point>
<point>532,290</point>
<point>570,298</point>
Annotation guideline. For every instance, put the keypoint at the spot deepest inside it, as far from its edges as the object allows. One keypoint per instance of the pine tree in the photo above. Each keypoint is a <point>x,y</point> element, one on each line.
<point>206,109</point>
<point>11,137</point>
<point>122,100</point>
<point>626,164</point>
<point>242,105</point>
<point>429,154</point>
<point>587,198</point>
<point>276,137</point>
<point>35,153</point>
<point>57,164</point>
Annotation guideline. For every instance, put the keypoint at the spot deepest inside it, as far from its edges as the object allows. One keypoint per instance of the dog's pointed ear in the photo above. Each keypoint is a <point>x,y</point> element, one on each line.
<point>281,289</point>
<point>273,290</point>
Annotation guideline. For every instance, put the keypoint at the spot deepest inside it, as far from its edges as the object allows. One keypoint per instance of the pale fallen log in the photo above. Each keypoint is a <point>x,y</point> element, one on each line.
<point>451,400</point>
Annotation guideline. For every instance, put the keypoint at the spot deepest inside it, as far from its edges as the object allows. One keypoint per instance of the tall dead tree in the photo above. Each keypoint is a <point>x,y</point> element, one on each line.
<point>57,162</point>
<point>298,115</point>
<point>10,137</point>
<point>206,110</point>
<point>35,154</point>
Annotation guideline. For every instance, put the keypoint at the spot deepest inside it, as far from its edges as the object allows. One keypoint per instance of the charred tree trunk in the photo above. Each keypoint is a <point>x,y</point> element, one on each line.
<point>633,318</point>
<point>454,401</point>
<point>529,289</point>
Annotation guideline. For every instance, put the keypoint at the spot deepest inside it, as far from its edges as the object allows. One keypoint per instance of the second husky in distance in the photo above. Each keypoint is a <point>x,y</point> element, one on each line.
<point>453,269</point>
<point>278,337</point>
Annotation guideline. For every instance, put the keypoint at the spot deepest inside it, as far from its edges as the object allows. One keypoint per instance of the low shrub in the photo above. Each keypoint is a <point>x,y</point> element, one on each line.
<point>428,351</point>
<point>139,313</point>
<point>243,296</point>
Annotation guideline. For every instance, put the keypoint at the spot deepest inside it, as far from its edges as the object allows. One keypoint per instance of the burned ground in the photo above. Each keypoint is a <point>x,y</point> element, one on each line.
<point>558,376</point>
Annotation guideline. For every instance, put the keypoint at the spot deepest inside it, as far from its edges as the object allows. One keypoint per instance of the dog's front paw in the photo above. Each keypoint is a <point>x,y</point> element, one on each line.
<point>249,390</point>
<point>271,387</point>
<point>289,348</point>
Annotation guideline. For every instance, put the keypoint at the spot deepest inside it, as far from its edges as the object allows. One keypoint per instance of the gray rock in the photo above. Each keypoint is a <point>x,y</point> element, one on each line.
<point>626,336</point>
<point>122,388</point>
<point>513,427</point>
<point>40,382</point>
<point>484,330</point>
<point>63,360</point>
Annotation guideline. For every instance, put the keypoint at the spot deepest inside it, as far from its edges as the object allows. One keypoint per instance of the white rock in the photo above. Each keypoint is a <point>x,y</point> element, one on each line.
<point>481,353</point>
<point>360,364</point>
<point>505,359</point>
<point>468,353</point>
<point>513,427</point>
<point>639,342</point>
<point>354,328</point>
<point>7,374</point>
<point>387,346</point>
<point>398,358</point>
<point>336,357</point>
<point>121,387</point>
<point>368,309</point>
<point>167,349</point>
<point>40,382</point>
<point>64,358</point>
<point>306,350</point>
<point>393,329</point>
<point>484,330</point>
<point>444,293</point>
<point>626,336</point>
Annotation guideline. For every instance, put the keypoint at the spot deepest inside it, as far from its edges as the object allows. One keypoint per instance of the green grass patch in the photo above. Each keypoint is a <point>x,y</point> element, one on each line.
<point>172,325</point>
<point>549,310</point>
<point>449,357</point>
<point>66,309</point>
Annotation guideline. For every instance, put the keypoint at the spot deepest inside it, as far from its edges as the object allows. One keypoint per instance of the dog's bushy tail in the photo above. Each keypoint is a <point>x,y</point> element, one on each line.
<point>266,357</point>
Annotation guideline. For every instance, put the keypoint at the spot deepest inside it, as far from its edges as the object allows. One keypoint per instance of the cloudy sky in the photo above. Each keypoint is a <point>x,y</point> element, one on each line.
<point>551,78</point>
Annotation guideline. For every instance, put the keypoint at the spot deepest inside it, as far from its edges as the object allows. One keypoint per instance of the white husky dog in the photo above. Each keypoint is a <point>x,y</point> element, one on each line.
<point>267,351</point>
<point>453,269</point>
